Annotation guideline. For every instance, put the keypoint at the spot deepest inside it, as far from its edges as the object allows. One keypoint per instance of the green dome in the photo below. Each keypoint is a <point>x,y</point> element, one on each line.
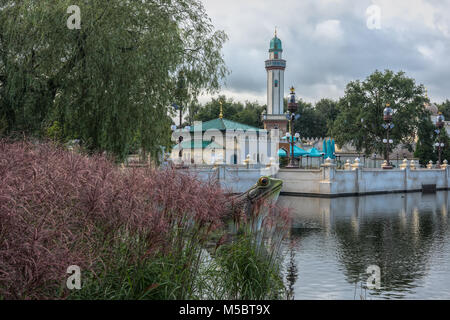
<point>275,44</point>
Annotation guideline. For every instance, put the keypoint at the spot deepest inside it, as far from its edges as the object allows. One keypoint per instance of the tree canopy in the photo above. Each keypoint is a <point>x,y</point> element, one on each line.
<point>360,116</point>
<point>314,121</point>
<point>248,113</point>
<point>427,137</point>
<point>111,82</point>
<point>444,107</point>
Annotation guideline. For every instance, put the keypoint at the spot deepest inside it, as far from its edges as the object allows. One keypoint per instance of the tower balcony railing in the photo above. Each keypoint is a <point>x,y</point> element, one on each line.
<point>276,63</point>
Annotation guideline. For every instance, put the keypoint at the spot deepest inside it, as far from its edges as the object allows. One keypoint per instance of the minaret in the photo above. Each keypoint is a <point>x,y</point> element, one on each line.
<point>275,66</point>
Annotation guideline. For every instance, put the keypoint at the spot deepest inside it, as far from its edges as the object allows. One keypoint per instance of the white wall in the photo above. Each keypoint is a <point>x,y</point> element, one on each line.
<point>331,182</point>
<point>326,181</point>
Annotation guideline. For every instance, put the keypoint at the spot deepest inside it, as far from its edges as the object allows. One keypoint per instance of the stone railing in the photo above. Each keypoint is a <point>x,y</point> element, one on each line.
<point>356,180</point>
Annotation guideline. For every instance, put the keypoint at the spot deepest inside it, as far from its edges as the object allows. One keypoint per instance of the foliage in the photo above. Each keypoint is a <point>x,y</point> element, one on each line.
<point>54,132</point>
<point>445,139</point>
<point>58,208</point>
<point>251,264</point>
<point>444,107</point>
<point>425,143</point>
<point>361,111</point>
<point>135,233</point>
<point>249,114</point>
<point>251,273</point>
<point>327,109</point>
<point>311,123</point>
<point>111,82</point>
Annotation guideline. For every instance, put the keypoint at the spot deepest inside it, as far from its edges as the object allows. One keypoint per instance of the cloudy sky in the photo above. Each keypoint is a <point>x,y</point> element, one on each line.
<point>328,43</point>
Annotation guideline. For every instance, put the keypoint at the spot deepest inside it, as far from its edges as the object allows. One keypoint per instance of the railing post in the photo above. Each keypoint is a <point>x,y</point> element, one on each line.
<point>328,170</point>
<point>348,165</point>
<point>404,165</point>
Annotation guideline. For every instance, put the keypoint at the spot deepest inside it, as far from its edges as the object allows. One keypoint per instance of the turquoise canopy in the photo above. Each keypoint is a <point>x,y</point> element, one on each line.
<point>329,149</point>
<point>314,153</point>
<point>298,152</point>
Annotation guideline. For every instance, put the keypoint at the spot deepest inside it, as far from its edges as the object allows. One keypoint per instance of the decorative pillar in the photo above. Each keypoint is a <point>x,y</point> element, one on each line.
<point>347,165</point>
<point>359,183</point>
<point>328,173</point>
<point>329,170</point>
<point>404,164</point>
<point>357,164</point>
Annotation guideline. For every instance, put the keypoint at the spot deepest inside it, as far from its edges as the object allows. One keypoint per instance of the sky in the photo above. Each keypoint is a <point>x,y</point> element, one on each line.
<point>328,43</point>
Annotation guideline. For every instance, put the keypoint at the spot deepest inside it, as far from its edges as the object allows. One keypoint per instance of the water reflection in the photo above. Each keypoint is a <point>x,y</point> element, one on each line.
<point>334,241</point>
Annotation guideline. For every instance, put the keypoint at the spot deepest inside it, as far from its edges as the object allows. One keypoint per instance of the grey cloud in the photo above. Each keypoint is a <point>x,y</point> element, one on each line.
<point>320,66</point>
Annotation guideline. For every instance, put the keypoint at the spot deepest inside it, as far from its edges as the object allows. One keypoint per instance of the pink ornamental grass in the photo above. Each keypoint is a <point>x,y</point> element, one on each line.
<point>59,208</point>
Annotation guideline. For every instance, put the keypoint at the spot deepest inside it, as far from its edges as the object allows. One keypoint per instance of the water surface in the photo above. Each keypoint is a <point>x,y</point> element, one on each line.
<point>333,241</point>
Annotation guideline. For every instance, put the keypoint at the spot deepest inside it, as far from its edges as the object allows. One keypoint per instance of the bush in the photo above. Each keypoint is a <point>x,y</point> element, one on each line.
<point>135,233</point>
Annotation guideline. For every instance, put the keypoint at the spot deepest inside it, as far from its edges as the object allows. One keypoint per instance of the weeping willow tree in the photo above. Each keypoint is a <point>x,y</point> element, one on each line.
<point>111,82</point>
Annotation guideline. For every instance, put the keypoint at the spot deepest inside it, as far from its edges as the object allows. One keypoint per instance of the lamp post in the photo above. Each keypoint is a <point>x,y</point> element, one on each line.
<point>292,107</point>
<point>179,94</point>
<point>180,140</point>
<point>388,126</point>
<point>440,121</point>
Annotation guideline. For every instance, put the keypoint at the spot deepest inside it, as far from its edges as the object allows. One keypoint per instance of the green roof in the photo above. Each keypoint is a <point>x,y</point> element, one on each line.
<point>222,125</point>
<point>275,44</point>
<point>196,144</point>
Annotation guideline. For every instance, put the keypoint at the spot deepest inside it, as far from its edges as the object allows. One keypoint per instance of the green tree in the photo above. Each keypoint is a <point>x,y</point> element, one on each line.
<point>444,107</point>
<point>425,143</point>
<point>110,83</point>
<point>445,139</point>
<point>248,113</point>
<point>310,123</point>
<point>327,109</point>
<point>360,116</point>
<point>427,138</point>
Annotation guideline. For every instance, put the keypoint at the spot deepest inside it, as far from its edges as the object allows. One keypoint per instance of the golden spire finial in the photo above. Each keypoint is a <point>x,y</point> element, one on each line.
<point>426,92</point>
<point>292,90</point>
<point>221,110</point>
<point>275,31</point>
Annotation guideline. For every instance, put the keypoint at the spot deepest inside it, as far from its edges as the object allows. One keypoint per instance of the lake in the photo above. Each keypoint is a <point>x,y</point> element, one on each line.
<point>334,241</point>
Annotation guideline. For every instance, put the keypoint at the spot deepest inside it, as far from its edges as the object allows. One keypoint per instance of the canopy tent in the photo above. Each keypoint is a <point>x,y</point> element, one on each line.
<point>329,149</point>
<point>298,152</point>
<point>314,153</point>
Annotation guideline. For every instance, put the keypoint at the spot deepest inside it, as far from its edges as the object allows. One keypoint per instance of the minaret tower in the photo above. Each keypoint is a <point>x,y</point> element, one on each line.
<point>275,66</point>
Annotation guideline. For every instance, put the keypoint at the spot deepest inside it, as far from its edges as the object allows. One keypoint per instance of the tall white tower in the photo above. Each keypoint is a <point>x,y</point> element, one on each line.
<point>275,66</point>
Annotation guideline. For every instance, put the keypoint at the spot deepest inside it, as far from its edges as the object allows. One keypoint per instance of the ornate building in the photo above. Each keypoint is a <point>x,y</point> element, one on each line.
<point>221,141</point>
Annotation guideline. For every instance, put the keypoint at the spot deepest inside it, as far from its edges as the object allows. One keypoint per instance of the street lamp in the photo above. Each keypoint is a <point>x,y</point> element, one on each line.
<point>388,126</point>
<point>179,94</point>
<point>264,115</point>
<point>292,107</point>
<point>440,121</point>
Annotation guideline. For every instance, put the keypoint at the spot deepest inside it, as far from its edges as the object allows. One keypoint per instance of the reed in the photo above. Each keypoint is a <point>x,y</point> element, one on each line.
<point>136,234</point>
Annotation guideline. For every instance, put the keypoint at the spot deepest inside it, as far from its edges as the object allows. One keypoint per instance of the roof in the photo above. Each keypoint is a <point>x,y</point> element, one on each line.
<point>222,125</point>
<point>275,44</point>
<point>197,144</point>
<point>432,108</point>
